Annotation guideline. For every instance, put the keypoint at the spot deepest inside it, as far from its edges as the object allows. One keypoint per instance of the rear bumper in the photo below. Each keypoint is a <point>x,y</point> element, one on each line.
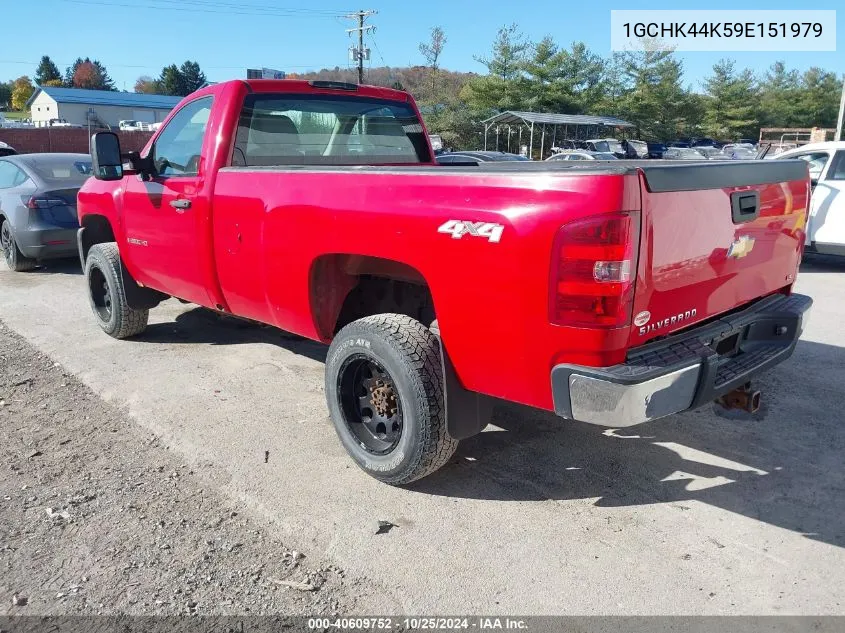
<point>47,242</point>
<point>684,371</point>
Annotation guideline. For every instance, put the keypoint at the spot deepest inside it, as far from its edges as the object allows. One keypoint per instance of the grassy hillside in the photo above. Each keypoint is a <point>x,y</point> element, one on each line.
<point>415,79</point>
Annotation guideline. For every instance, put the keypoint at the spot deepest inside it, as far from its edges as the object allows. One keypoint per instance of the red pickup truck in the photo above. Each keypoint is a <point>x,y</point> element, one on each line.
<point>611,292</point>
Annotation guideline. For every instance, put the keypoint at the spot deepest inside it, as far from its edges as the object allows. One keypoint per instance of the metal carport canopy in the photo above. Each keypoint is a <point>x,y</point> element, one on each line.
<point>512,117</point>
<point>528,119</point>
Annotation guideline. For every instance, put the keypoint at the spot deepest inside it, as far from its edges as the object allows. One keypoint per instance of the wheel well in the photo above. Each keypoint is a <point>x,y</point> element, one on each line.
<point>345,288</point>
<point>97,230</point>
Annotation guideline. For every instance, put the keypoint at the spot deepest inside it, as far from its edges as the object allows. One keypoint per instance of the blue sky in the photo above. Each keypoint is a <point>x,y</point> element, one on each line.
<point>135,37</point>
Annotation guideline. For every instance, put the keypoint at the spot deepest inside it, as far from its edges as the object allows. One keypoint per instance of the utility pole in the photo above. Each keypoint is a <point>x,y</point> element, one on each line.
<point>360,53</point>
<point>838,136</point>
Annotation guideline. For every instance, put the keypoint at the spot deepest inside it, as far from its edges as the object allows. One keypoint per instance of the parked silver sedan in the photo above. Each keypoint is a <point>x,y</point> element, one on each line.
<point>38,218</point>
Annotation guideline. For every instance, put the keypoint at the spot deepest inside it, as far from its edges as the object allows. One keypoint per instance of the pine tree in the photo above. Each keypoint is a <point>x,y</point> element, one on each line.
<point>47,71</point>
<point>504,87</point>
<point>105,82</point>
<point>779,90</point>
<point>654,98</point>
<point>192,77</point>
<point>733,105</point>
<point>818,99</point>
<point>171,81</point>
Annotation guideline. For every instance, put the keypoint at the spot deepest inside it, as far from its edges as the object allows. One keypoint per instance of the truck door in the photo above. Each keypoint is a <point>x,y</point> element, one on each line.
<point>163,216</point>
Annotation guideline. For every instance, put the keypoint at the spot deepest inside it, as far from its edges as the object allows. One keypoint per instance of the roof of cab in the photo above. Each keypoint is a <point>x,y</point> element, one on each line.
<point>308,86</point>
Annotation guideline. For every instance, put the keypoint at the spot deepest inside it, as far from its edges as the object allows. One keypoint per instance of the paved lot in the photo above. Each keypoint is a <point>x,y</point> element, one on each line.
<point>693,514</point>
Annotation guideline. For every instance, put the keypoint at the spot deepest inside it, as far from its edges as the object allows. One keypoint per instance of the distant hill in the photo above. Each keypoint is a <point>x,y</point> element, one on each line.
<point>414,79</point>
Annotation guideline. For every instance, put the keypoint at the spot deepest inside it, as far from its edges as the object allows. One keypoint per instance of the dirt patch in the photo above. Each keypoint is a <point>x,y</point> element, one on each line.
<point>96,517</point>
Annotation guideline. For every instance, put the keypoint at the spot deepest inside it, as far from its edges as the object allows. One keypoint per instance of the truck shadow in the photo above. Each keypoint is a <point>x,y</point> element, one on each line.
<point>822,264</point>
<point>67,266</point>
<point>200,325</point>
<point>783,466</point>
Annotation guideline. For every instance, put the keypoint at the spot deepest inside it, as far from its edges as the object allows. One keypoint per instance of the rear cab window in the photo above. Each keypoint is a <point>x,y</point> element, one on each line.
<point>293,129</point>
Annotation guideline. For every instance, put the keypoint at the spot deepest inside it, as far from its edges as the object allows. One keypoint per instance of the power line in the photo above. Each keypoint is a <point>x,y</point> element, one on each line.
<point>145,67</point>
<point>378,50</point>
<point>233,10</point>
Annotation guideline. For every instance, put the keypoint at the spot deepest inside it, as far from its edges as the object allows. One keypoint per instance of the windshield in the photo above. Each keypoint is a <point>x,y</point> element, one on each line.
<point>284,129</point>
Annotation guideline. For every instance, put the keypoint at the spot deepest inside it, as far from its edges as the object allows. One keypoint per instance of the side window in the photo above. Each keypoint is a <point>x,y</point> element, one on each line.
<point>177,149</point>
<point>10,175</point>
<point>817,161</point>
<point>837,168</point>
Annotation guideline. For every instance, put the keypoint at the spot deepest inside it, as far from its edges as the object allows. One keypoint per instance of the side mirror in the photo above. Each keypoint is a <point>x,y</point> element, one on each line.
<point>106,163</point>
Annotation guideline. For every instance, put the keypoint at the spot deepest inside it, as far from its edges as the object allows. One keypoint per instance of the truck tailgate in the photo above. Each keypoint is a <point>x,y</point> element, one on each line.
<point>714,237</point>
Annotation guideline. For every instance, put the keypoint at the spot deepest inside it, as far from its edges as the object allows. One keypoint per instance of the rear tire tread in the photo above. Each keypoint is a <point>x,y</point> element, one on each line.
<point>420,352</point>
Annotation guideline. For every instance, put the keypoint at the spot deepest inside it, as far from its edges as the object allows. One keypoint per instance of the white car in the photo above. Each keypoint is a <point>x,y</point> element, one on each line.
<point>61,123</point>
<point>682,153</point>
<point>582,155</point>
<point>826,223</point>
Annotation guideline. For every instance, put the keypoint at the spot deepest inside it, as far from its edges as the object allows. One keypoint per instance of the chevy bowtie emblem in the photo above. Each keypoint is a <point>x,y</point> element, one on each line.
<point>741,247</point>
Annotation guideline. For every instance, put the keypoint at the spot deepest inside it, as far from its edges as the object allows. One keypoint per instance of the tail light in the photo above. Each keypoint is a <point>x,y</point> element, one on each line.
<point>594,268</point>
<point>44,202</point>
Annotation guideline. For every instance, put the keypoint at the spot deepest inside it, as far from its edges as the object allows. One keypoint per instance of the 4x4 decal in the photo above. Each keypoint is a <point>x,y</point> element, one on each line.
<point>458,228</point>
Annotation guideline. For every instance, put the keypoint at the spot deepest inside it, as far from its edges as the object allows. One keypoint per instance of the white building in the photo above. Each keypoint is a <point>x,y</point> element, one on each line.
<point>98,107</point>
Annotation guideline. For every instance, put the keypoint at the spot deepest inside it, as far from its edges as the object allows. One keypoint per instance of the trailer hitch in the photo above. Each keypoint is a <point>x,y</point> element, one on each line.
<point>744,398</point>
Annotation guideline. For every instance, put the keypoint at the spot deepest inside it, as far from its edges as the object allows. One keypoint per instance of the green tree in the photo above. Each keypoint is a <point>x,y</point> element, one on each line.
<point>192,77</point>
<point>22,90</point>
<point>5,94</point>
<point>779,92</point>
<point>47,71</point>
<point>545,88</point>
<point>105,82</point>
<point>733,104</point>
<point>652,97</point>
<point>456,124</point>
<point>818,98</point>
<point>172,82</point>
<point>504,87</point>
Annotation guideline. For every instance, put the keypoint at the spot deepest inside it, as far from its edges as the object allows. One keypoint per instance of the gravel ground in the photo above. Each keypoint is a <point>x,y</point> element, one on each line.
<point>97,517</point>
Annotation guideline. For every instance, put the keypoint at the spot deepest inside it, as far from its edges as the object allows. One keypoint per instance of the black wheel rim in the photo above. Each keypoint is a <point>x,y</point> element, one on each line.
<point>6,242</point>
<point>369,401</point>
<point>98,286</point>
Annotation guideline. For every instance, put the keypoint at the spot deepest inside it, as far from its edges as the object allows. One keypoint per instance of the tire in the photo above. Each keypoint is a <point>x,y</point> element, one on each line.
<point>409,354</point>
<point>107,296</point>
<point>15,260</point>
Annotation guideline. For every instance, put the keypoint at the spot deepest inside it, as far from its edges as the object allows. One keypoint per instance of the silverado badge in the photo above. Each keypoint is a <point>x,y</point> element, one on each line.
<point>741,246</point>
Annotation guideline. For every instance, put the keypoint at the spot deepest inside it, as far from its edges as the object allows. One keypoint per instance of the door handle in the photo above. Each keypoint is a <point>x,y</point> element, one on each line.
<point>745,206</point>
<point>181,203</point>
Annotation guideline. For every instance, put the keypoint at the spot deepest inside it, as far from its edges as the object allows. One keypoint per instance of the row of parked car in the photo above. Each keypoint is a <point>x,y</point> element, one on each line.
<point>613,149</point>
